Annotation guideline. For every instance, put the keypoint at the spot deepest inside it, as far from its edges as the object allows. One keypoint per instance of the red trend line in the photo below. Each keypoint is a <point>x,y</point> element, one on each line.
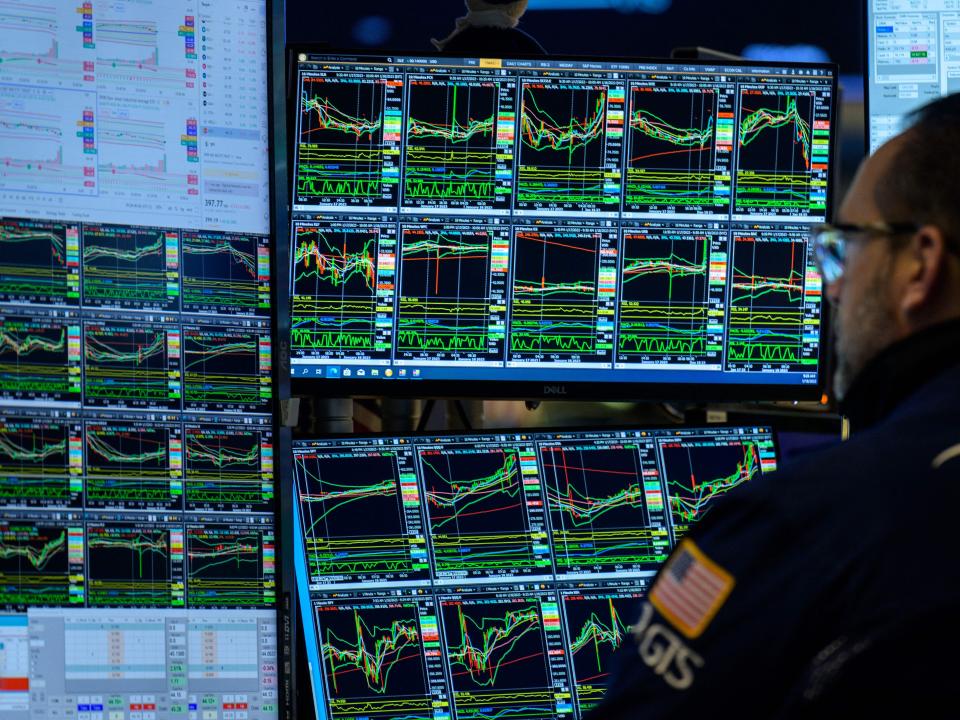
<point>477,512</point>
<point>503,664</point>
<point>670,152</point>
<point>595,470</point>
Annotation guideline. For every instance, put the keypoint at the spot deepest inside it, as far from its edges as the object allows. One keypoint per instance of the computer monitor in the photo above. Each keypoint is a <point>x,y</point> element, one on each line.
<point>137,533</point>
<point>508,227</point>
<point>492,574</point>
<point>913,57</point>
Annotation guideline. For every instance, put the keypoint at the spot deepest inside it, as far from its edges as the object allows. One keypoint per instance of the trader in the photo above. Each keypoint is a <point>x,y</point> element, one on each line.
<point>833,586</point>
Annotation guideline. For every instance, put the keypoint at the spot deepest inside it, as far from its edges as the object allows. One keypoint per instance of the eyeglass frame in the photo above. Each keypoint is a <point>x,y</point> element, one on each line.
<point>829,263</point>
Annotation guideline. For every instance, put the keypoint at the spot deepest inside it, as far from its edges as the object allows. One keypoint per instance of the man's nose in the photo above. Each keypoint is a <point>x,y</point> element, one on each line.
<point>832,290</point>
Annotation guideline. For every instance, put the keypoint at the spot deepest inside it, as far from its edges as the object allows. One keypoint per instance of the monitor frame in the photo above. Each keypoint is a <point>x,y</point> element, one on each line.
<point>698,392</point>
<point>311,702</point>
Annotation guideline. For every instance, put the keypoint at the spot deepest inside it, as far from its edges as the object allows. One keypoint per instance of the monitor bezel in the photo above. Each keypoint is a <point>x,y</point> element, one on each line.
<point>586,389</point>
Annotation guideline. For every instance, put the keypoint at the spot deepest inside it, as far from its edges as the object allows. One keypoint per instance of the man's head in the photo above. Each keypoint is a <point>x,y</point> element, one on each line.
<point>896,283</point>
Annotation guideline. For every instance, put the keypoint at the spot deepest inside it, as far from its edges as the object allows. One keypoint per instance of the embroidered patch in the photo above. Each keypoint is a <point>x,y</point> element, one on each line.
<point>691,589</point>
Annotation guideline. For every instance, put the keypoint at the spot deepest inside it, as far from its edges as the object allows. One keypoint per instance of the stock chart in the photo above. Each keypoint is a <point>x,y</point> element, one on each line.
<point>505,567</point>
<point>546,225</point>
<point>137,501</point>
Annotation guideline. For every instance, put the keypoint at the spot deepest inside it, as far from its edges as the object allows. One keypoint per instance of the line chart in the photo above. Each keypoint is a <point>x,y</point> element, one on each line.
<point>569,153</point>
<point>457,155</point>
<point>40,462</point>
<point>381,659</point>
<point>479,517</point>
<point>226,368</point>
<point>133,464</point>
<point>336,490</point>
<point>228,467</point>
<point>349,132</point>
<point>131,267</point>
<point>596,624</point>
<point>673,150</point>
<point>562,300</point>
<point>225,273</point>
<point>768,302</point>
<point>39,262</point>
<point>669,298</point>
<point>601,517</point>
<point>782,154</point>
<point>697,473</point>
<point>343,289</point>
<point>36,564</point>
<point>39,359</point>
<point>447,285</point>
<point>230,567</point>
<point>499,654</point>
<point>134,565</point>
<point>131,365</point>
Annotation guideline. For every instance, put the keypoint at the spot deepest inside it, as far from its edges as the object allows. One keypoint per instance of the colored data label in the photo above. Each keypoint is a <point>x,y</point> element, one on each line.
<point>40,564</point>
<point>343,290</point>
<point>131,267</point>
<point>225,273</point>
<point>39,359</point>
<point>227,368</point>
<point>41,462</point>
<point>230,566</point>
<point>228,467</point>
<point>39,262</point>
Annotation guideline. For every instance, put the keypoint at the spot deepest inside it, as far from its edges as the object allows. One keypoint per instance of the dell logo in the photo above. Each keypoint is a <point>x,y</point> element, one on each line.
<point>554,389</point>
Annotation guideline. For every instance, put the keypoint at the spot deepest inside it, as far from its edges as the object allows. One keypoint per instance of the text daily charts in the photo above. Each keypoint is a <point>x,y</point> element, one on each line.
<point>504,567</point>
<point>549,220</point>
<point>137,536</point>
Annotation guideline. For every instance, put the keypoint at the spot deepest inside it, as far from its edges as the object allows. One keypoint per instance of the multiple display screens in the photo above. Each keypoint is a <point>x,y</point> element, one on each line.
<point>534,224</point>
<point>492,574</point>
<point>137,533</point>
<point>913,57</point>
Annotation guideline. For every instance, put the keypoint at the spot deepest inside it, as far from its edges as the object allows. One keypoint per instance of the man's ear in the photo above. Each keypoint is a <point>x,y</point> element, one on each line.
<point>923,270</point>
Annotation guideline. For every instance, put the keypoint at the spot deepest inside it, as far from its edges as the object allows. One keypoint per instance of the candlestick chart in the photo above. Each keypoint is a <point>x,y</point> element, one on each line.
<point>131,565</point>
<point>335,279</point>
<point>561,159</point>
<point>497,652</point>
<point>226,368</point>
<point>39,359</point>
<point>35,566</point>
<point>133,464</point>
<point>444,293</point>
<point>39,461</point>
<point>374,660</point>
<point>775,171</point>
<point>227,468</point>
<point>477,509</point>
<point>451,144</point>
<point>697,473</point>
<point>335,493</point>
<point>130,365</point>
<point>596,624</point>
<point>346,154</point>
<point>39,262</point>
<point>665,297</point>
<point>555,303</point>
<point>132,267</point>
<point>672,152</point>
<point>230,567</point>
<point>766,319</point>
<point>599,513</point>
<point>225,273</point>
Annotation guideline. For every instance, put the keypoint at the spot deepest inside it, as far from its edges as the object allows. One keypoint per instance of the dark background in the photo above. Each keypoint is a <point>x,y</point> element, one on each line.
<point>814,31</point>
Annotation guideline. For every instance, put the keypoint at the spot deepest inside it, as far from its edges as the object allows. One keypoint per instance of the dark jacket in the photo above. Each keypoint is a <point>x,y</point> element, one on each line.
<point>841,570</point>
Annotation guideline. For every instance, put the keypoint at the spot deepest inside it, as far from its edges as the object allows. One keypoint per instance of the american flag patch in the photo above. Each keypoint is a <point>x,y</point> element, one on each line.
<point>691,589</point>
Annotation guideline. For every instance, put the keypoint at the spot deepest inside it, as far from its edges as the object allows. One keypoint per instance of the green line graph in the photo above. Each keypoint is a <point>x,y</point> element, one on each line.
<point>487,643</point>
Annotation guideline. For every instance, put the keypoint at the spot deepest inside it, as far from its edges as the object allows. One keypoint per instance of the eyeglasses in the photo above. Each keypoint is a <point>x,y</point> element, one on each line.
<point>830,243</point>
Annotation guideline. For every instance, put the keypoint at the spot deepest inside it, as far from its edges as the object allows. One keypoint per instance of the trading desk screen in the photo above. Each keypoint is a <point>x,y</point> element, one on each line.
<point>554,222</point>
<point>137,540</point>
<point>913,57</point>
<point>492,575</point>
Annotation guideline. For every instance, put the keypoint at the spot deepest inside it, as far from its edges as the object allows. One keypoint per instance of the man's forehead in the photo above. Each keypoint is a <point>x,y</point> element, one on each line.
<point>860,204</point>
